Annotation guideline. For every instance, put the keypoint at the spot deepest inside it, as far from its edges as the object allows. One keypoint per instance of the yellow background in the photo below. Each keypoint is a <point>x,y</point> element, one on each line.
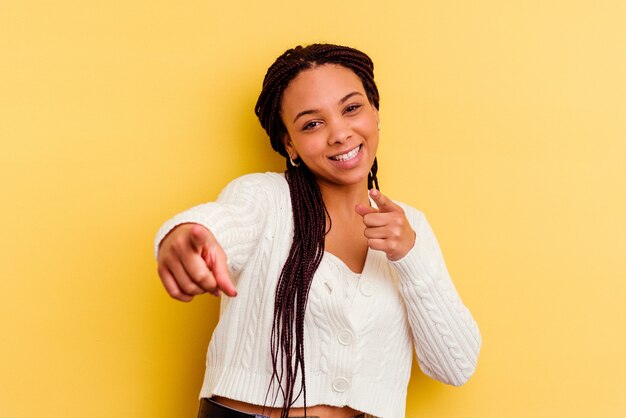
<point>505,122</point>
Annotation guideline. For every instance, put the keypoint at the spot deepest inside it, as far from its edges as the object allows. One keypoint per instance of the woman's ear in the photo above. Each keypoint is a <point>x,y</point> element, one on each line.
<point>377,116</point>
<point>289,147</point>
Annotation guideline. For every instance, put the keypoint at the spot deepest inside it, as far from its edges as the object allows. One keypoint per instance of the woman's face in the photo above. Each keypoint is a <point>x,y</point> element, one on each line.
<point>331,125</point>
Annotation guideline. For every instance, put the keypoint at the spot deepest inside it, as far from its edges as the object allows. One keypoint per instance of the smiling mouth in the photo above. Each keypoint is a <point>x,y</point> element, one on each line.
<point>348,155</point>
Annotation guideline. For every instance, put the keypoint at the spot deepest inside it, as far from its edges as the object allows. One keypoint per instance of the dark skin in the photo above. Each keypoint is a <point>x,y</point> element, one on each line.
<point>347,227</point>
<point>333,129</point>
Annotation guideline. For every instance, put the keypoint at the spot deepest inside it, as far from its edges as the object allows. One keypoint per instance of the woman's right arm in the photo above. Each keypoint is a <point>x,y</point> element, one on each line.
<point>196,249</point>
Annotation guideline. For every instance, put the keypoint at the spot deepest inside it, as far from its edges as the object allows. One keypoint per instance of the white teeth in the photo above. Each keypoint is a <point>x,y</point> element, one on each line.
<point>348,155</point>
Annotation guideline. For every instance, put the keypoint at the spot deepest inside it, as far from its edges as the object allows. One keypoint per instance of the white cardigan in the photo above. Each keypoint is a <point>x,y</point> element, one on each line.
<point>359,328</point>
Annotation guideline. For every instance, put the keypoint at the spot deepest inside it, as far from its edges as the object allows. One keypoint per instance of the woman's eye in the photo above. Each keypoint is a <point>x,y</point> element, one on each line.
<point>352,108</point>
<point>310,125</point>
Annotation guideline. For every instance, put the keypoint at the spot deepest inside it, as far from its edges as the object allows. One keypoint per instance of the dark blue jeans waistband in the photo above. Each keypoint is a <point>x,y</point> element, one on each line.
<point>211,409</point>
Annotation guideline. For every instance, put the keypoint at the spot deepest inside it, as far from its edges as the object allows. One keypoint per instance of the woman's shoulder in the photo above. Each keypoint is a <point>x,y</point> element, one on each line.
<point>256,186</point>
<point>268,177</point>
<point>259,181</point>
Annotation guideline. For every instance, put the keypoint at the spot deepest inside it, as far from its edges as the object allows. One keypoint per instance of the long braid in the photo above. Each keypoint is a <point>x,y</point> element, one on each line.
<point>372,180</point>
<point>309,212</point>
<point>291,296</point>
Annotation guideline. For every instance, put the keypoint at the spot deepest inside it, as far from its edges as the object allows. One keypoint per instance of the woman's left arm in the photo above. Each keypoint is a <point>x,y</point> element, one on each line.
<point>445,335</point>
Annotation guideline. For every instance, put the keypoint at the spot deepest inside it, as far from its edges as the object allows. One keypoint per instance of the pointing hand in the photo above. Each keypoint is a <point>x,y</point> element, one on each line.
<point>386,228</point>
<point>192,262</point>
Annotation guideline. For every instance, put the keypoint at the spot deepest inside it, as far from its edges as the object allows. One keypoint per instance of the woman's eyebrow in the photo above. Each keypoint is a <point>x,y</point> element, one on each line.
<point>347,96</point>
<point>342,101</point>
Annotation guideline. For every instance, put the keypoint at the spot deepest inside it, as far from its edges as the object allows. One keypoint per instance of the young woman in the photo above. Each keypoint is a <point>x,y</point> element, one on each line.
<point>330,283</point>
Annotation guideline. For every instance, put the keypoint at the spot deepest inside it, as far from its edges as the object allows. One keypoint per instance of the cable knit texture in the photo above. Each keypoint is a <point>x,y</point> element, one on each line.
<point>359,328</point>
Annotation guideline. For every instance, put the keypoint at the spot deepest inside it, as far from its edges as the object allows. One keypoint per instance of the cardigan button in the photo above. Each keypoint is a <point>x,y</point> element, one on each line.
<point>345,337</point>
<point>340,384</point>
<point>366,288</point>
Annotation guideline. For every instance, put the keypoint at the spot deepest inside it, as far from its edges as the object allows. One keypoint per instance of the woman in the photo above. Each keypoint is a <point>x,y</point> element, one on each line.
<point>330,282</point>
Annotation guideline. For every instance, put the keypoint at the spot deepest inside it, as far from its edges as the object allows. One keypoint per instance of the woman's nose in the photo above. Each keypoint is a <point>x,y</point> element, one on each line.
<point>340,131</point>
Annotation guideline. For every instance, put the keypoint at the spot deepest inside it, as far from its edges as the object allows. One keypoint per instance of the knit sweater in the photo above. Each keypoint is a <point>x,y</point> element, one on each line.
<point>359,328</point>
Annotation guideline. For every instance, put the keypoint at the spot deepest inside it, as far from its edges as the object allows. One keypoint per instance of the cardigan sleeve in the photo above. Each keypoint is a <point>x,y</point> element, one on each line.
<point>236,218</point>
<point>446,337</point>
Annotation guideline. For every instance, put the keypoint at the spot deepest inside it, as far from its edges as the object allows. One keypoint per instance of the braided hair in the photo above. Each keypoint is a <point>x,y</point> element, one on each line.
<point>309,211</point>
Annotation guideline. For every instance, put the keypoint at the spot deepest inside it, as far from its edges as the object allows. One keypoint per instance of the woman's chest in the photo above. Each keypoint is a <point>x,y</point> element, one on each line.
<point>346,241</point>
<point>343,299</point>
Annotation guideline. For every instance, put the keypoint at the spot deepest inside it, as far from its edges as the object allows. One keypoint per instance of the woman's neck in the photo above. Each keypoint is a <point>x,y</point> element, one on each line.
<point>344,230</point>
<point>343,199</point>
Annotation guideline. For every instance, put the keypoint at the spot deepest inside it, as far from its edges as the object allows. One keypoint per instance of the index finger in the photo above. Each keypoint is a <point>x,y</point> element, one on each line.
<point>219,268</point>
<point>383,202</point>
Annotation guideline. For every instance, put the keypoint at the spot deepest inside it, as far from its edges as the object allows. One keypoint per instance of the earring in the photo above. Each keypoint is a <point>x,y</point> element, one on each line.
<point>379,125</point>
<point>293,163</point>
